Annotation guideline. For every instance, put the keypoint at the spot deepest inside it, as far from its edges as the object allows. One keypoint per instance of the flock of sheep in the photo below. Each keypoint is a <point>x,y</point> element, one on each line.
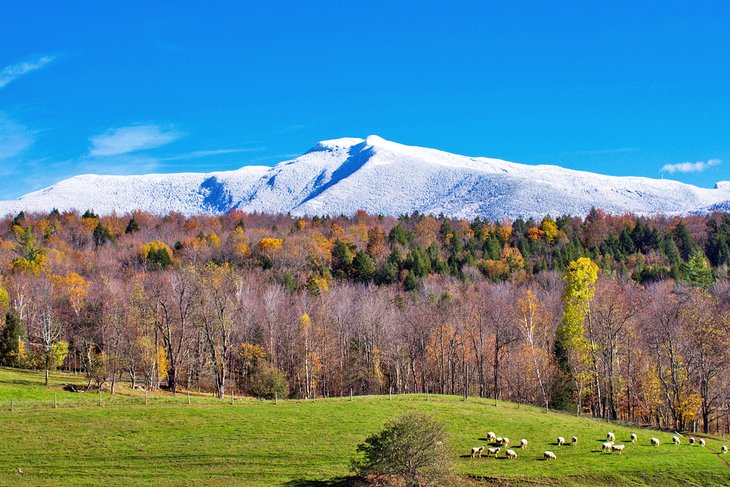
<point>609,446</point>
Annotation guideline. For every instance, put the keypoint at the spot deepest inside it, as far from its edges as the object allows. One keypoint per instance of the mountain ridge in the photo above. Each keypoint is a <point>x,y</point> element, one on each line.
<point>340,176</point>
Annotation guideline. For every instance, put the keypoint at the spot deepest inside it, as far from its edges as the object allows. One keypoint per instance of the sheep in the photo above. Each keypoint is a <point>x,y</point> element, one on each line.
<point>618,448</point>
<point>498,440</point>
<point>477,451</point>
<point>702,442</point>
<point>655,442</point>
<point>634,437</point>
<point>505,441</point>
<point>574,440</point>
<point>723,449</point>
<point>548,455</point>
<point>675,440</point>
<point>493,451</point>
<point>523,443</point>
<point>691,440</point>
<point>561,440</point>
<point>610,436</point>
<point>510,454</point>
<point>606,447</point>
<point>491,436</point>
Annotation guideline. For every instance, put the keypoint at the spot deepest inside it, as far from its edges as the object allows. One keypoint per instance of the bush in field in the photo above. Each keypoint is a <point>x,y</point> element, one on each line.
<point>268,382</point>
<point>410,451</point>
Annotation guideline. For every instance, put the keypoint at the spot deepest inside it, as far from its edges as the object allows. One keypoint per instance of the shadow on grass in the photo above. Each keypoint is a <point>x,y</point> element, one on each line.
<point>335,482</point>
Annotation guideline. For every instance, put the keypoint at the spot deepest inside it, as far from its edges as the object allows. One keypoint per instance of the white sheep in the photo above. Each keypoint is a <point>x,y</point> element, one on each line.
<point>561,440</point>
<point>655,442</point>
<point>548,455</point>
<point>702,442</point>
<point>493,451</point>
<point>691,440</point>
<point>477,451</point>
<point>634,437</point>
<point>523,443</point>
<point>675,440</point>
<point>510,454</point>
<point>491,436</point>
<point>498,440</point>
<point>618,448</point>
<point>610,436</point>
<point>723,449</point>
<point>505,441</point>
<point>574,440</point>
<point>606,447</point>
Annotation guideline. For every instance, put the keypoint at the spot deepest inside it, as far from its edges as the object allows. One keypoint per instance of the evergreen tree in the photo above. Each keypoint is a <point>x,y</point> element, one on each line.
<point>132,226</point>
<point>12,336</point>
<point>364,266</point>
<point>683,239</point>
<point>697,271</point>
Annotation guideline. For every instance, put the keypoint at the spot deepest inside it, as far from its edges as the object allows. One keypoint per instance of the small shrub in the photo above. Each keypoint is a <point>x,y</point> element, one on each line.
<point>410,451</point>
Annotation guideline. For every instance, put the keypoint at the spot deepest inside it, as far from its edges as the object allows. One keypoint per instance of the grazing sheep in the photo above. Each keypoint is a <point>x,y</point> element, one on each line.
<point>610,436</point>
<point>510,454</point>
<point>493,451</point>
<point>491,436</point>
<point>702,442</point>
<point>505,441</point>
<point>675,440</point>
<point>561,440</point>
<point>618,448</point>
<point>655,442</point>
<point>523,443</point>
<point>634,437</point>
<point>498,440</point>
<point>691,440</point>
<point>548,455</point>
<point>574,440</point>
<point>477,451</point>
<point>723,449</point>
<point>606,447</point>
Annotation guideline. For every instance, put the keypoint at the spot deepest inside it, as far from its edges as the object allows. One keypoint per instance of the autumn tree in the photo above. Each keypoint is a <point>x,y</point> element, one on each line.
<point>572,349</point>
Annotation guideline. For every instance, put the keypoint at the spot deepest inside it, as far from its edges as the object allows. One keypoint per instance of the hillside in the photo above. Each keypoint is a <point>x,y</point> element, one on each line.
<point>168,442</point>
<point>343,175</point>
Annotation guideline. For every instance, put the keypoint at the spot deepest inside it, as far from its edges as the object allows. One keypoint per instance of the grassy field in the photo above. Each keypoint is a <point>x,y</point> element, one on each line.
<point>168,442</point>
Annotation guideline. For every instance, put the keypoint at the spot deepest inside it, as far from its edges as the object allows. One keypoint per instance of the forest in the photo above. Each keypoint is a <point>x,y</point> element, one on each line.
<point>618,317</point>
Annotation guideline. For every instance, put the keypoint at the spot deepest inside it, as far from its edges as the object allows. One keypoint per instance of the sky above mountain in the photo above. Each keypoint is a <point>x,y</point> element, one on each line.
<point>622,88</point>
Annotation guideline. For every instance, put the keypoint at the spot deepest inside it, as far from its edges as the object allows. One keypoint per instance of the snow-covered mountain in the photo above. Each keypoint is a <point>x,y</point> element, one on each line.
<point>382,177</point>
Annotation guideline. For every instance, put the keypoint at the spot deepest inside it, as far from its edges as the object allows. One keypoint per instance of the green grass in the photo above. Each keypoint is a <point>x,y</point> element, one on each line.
<point>168,442</point>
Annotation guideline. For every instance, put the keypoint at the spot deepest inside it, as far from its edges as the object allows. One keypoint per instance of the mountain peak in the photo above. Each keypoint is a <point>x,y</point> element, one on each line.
<point>335,144</point>
<point>340,176</point>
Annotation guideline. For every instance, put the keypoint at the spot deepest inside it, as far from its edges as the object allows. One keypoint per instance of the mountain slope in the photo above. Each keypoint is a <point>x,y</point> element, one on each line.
<point>344,175</point>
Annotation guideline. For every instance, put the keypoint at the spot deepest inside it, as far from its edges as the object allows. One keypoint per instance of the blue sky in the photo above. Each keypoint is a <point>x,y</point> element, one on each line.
<point>624,88</point>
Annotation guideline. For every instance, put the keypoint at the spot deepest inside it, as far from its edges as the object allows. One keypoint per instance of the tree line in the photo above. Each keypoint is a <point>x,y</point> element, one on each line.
<point>619,317</point>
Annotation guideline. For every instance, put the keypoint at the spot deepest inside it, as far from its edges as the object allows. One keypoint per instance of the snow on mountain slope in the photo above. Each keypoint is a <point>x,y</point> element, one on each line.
<point>379,176</point>
<point>188,193</point>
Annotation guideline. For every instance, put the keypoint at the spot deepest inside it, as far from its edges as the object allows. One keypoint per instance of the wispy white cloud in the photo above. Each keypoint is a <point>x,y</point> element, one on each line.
<point>690,166</point>
<point>123,140</point>
<point>15,71</point>
<point>14,138</point>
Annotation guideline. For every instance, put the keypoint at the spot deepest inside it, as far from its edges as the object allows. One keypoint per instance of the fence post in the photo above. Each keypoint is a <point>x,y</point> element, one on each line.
<point>350,393</point>
<point>188,397</point>
<point>276,397</point>
<point>428,396</point>
<point>390,393</point>
<point>55,401</point>
<point>99,395</point>
<point>146,398</point>
<point>233,399</point>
